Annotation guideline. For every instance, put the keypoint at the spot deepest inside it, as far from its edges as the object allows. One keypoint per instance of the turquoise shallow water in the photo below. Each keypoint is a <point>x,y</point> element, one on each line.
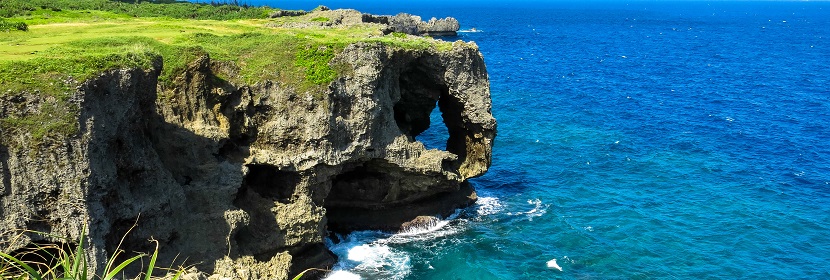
<point>636,140</point>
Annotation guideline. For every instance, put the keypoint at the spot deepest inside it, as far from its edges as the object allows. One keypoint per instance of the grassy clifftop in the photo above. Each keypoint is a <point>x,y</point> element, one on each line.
<point>138,8</point>
<point>68,41</point>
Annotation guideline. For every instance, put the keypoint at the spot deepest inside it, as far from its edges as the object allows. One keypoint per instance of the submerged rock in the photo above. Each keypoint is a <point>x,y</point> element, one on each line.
<point>244,180</point>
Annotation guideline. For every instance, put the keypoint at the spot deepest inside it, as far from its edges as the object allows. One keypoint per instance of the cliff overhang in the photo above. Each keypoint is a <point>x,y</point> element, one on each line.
<point>239,168</point>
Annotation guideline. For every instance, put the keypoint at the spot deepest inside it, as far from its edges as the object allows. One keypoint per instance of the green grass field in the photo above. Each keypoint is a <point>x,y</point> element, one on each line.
<point>70,39</point>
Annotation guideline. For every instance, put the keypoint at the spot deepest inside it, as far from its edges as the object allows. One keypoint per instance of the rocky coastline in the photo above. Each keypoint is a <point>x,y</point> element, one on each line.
<point>244,181</point>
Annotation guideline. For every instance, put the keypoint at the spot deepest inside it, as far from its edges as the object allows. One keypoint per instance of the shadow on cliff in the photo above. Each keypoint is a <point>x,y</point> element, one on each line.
<point>5,176</point>
<point>151,178</point>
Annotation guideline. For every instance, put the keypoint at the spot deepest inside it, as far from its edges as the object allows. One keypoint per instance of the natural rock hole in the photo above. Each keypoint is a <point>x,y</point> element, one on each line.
<point>451,109</point>
<point>421,92</point>
<point>436,136</point>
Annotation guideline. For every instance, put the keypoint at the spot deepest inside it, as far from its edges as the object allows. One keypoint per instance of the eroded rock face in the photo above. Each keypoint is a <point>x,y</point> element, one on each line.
<point>403,22</point>
<point>244,181</point>
<point>414,25</point>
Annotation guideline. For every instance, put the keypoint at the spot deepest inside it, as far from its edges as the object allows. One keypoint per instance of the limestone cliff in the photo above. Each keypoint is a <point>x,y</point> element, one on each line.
<point>244,180</point>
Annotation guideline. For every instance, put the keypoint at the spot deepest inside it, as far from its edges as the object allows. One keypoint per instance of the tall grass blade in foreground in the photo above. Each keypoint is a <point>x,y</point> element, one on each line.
<point>71,264</point>
<point>79,259</point>
<point>152,260</point>
<point>121,266</point>
<point>17,263</point>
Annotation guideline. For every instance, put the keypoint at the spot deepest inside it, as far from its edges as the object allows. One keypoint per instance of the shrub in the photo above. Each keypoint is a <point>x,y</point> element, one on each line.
<point>11,25</point>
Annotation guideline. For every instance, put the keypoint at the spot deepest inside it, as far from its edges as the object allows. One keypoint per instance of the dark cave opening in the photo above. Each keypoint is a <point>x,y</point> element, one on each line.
<point>365,183</point>
<point>270,182</point>
<point>41,256</point>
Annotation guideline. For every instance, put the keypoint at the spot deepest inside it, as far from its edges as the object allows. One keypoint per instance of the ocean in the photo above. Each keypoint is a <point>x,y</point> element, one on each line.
<point>636,140</point>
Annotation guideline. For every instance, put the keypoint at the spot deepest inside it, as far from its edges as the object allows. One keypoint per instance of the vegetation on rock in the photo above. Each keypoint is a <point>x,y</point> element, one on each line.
<point>320,19</point>
<point>70,41</point>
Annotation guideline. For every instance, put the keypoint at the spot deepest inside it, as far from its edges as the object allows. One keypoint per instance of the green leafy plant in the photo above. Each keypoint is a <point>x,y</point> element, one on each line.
<point>69,264</point>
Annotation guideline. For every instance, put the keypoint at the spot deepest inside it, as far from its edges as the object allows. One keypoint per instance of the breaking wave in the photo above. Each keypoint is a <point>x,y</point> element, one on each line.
<point>377,254</point>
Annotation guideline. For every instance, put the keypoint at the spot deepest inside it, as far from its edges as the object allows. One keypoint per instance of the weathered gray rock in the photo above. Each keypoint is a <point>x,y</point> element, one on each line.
<point>243,181</point>
<point>413,25</point>
<point>403,22</point>
<point>441,27</point>
<point>287,13</point>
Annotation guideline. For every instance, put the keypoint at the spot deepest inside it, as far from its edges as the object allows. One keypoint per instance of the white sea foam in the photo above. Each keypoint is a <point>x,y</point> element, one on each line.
<point>439,228</point>
<point>423,229</point>
<point>361,254</point>
<point>373,254</point>
<point>538,210</point>
<point>552,264</point>
<point>379,258</point>
<point>488,206</point>
<point>472,30</point>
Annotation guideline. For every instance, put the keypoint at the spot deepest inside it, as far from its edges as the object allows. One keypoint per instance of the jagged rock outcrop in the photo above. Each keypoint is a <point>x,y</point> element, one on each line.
<point>243,181</point>
<point>403,22</point>
<point>413,25</point>
<point>287,13</point>
<point>296,13</point>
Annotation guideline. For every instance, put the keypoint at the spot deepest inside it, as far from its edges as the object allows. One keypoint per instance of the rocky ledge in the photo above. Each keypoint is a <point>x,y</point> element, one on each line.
<point>244,181</point>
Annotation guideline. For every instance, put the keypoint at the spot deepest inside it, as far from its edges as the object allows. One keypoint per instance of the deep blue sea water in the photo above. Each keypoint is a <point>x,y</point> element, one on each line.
<point>637,140</point>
